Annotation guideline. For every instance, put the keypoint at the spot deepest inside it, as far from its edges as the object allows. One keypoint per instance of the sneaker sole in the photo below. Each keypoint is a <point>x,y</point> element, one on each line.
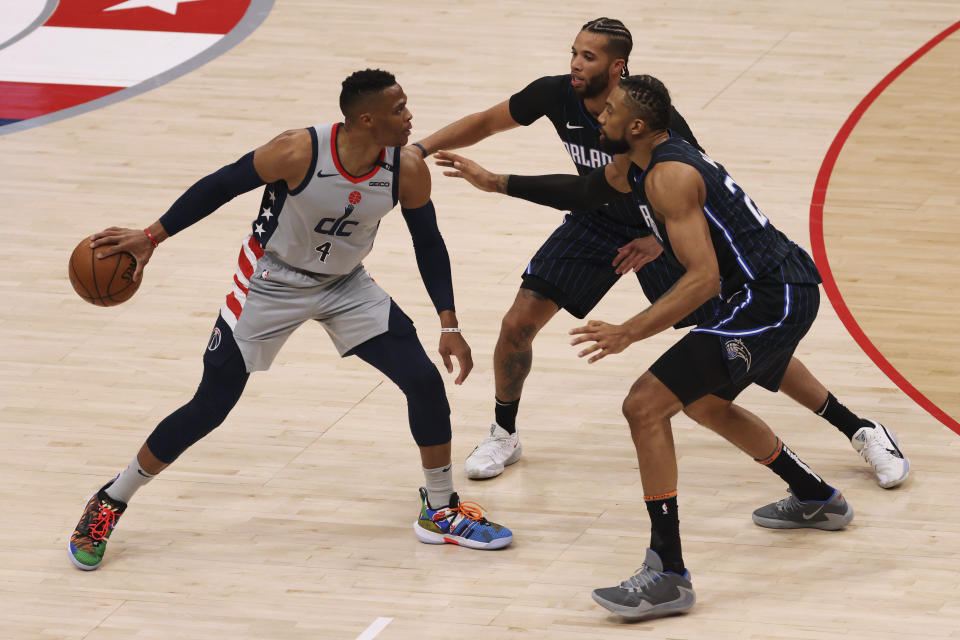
<point>834,522</point>
<point>675,607</point>
<point>429,537</point>
<point>476,473</point>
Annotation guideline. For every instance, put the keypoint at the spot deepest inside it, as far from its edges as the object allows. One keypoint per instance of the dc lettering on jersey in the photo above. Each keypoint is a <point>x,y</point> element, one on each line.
<point>585,157</point>
<point>339,226</point>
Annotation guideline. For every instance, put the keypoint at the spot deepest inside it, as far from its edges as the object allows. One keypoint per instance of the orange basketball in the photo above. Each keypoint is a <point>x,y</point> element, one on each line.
<point>103,282</point>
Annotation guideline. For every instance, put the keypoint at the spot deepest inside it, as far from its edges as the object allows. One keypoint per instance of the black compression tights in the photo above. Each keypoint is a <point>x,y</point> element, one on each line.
<point>398,354</point>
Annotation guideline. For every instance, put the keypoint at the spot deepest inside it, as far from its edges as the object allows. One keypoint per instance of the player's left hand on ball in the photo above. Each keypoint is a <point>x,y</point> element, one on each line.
<point>607,339</point>
<point>454,344</point>
<point>466,169</point>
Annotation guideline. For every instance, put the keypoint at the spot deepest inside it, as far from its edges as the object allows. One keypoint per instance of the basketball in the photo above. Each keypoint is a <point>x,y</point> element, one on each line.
<point>103,282</point>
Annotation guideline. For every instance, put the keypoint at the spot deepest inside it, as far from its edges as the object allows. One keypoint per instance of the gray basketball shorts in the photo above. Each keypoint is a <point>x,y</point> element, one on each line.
<point>278,299</point>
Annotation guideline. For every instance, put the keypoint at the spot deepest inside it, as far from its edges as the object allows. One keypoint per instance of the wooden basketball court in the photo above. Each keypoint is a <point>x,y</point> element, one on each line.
<point>293,519</point>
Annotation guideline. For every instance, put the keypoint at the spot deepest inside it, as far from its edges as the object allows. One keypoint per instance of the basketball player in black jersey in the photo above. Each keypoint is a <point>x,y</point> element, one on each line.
<point>586,255</point>
<point>770,293</point>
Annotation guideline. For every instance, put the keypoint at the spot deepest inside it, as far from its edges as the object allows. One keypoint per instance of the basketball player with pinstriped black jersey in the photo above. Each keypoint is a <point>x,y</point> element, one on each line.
<point>326,189</point>
<point>770,293</point>
<point>585,256</point>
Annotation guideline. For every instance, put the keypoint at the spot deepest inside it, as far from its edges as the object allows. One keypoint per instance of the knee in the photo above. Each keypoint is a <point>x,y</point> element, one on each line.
<point>518,329</point>
<point>637,410</point>
<point>422,380</point>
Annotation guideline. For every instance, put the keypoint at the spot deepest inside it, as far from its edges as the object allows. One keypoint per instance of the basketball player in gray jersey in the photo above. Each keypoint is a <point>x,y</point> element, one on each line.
<point>585,256</point>
<point>327,187</point>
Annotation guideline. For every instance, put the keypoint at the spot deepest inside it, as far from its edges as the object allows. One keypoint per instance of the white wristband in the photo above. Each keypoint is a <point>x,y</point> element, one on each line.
<point>449,329</point>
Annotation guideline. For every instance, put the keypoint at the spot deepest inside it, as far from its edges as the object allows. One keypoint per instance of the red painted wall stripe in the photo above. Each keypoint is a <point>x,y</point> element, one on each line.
<point>22,100</point>
<point>819,247</point>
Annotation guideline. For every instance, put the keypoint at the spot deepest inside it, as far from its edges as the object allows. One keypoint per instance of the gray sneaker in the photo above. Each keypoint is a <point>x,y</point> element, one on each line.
<point>650,593</point>
<point>791,513</point>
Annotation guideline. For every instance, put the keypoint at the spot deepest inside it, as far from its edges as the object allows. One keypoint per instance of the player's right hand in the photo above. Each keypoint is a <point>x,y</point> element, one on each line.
<point>117,240</point>
<point>468,170</point>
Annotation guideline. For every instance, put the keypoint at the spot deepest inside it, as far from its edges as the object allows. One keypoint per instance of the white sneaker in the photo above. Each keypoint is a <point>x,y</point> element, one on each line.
<point>498,450</point>
<point>879,447</point>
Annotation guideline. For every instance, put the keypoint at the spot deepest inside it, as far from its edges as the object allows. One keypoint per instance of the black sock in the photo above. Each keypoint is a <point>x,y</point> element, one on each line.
<point>506,414</point>
<point>665,530</point>
<point>839,416</point>
<point>803,482</point>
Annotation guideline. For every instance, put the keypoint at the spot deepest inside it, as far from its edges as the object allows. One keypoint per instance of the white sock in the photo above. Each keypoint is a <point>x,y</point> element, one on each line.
<point>439,486</point>
<point>127,483</point>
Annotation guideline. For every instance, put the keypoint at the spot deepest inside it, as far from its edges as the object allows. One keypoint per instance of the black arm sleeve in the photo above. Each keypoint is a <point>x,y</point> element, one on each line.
<point>564,191</point>
<point>210,193</point>
<point>536,99</point>
<point>432,257</point>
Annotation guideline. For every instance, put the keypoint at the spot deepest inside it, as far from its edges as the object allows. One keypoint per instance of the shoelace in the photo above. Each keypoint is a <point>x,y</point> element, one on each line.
<point>470,510</point>
<point>789,504</point>
<point>491,443</point>
<point>103,523</point>
<point>873,448</point>
<point>643,577</point>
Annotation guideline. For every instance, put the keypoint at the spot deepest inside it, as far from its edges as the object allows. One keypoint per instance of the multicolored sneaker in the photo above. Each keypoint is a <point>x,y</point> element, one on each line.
<point>89,539</point>
<point>460,523</point>
<point>650,593</point>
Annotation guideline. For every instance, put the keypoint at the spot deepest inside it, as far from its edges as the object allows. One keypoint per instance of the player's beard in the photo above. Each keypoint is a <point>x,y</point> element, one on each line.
<point>613,147</point>
<point>593,86</point>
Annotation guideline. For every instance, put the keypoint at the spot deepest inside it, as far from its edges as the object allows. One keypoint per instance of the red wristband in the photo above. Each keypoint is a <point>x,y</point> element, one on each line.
<point>150,237</point>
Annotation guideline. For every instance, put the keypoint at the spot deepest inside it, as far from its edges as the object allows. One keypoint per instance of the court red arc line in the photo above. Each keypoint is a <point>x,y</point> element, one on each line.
<point>819,246</point>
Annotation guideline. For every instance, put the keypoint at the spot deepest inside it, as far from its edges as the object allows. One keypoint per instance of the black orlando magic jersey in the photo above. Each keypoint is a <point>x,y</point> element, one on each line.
<point>748,246</point>
<point>553,96</point>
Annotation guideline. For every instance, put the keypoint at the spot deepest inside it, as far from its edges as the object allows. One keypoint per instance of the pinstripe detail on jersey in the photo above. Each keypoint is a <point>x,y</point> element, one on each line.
<point>729,237</point>
<point>250,252</point>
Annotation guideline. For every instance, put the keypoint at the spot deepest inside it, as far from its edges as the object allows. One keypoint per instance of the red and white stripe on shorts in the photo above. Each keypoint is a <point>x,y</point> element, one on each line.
<point>250,252</point>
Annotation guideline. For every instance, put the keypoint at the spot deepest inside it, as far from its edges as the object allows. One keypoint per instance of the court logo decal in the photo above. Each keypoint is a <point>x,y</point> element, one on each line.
<point>61,59</point>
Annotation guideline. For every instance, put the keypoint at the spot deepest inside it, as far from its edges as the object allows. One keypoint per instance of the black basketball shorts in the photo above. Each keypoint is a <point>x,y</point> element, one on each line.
<point>751,340</point>
<point>574,268</point>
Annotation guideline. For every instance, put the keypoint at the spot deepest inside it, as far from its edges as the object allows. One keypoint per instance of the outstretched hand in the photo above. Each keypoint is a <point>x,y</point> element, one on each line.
<point>470,171</point>
<point>636,253</point>
<point>454,344</point>
<point>113,240</point>
<point>607,339</point>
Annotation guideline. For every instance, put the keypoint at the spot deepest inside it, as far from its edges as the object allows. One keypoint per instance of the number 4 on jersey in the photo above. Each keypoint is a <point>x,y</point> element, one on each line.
<point>324,251</point>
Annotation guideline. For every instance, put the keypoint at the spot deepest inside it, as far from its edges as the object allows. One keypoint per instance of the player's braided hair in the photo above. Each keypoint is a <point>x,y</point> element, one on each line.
<point>361,84</point>
<point>649,100</point>
<point>620,42</point>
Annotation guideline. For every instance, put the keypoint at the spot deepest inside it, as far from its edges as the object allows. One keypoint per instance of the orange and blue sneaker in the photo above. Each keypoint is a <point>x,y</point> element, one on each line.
<point>89,539</point>
<point>460,523</point>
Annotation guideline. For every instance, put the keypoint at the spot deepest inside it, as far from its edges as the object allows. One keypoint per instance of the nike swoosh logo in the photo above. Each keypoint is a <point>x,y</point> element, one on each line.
<point>143,474</point>
<point>572,126</point>
<point>819,509</point>
<point>321,174</point>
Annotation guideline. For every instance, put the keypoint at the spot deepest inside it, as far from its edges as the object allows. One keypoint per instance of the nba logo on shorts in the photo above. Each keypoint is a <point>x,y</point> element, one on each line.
<point>214,340</point>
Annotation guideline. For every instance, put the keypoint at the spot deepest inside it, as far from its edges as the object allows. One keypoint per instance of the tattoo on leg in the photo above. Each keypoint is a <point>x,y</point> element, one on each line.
<point>515,367</point>
<point>530,293</point>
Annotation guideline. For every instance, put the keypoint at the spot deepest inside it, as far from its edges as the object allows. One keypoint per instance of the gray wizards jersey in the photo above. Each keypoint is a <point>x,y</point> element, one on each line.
<point>327,225</point>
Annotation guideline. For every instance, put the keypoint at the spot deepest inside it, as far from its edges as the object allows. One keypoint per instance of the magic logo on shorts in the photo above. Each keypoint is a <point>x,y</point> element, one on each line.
<point>736,349</point>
